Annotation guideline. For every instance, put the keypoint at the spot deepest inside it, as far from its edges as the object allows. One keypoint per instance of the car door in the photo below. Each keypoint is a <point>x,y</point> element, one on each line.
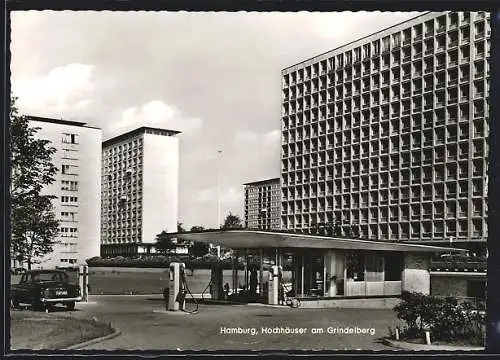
<point>22,291</point>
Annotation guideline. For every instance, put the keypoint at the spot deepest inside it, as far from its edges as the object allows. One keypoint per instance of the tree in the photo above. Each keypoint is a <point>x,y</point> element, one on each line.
<point>232,222</point>
<point>165,242</point>
<point>197,228</point>
<point>31,160</point>
<point>34,226</point>
<point>180,229</point>
<point>199,249</point>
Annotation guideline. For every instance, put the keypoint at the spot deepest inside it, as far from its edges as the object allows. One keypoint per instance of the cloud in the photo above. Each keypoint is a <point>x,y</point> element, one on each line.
<point>228,197</point>
<point>64,89</point>
<point>272,137</point>
<point>156,113</point>
<point>200,156</point>
<point>328,25</point>
<point>245,137</point>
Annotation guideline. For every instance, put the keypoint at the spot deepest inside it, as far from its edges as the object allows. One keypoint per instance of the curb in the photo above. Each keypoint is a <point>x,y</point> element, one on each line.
<point>114,334</point>
<point>268,305</point>
<point>403,345</point>
<point>197,296</point>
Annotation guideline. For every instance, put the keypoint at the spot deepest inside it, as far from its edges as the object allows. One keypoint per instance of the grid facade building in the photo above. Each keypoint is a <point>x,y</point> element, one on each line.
<point>262,204</point>
<point>139,190</point>
<point>77,187</point>
<point>388,136</point>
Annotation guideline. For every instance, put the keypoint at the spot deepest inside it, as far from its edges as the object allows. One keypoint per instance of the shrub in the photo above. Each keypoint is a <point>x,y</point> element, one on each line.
<point>444,317</point>
<point>161,261</point>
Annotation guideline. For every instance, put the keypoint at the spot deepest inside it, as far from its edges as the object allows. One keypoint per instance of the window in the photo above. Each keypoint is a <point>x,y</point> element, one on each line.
<point>374,268</point>
<point>69,185</point>
<point>396,40</point>
<point>366,51</point>
<point>68,169</point>
<point>386,43</point>
<point>69,138</point>
<point>348,58</point>
<point>357,55</point>
<point>355,267</point>
<point>69,199</point>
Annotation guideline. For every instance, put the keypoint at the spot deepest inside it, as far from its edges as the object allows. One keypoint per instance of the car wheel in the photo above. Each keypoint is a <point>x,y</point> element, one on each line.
<point>70,305</point>
<point>39,306</point>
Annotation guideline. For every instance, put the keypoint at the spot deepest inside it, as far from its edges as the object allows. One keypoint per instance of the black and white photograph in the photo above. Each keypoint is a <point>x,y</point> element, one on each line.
<point>249,181</point>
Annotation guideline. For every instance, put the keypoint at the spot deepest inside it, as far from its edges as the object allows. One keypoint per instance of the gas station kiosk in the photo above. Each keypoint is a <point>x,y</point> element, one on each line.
<point>318,267</point>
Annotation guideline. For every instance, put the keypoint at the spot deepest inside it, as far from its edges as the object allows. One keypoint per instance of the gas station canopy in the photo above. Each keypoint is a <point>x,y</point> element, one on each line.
<point>256,239</point>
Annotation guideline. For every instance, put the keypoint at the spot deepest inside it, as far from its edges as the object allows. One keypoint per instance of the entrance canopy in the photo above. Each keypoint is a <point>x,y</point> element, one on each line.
<point>255,239</point>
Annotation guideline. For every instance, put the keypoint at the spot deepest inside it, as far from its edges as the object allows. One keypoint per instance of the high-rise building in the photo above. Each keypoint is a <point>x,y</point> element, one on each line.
<point>140,179</point>
<point>262,204</point>
<point>387,136</point>
<point>77,186</point>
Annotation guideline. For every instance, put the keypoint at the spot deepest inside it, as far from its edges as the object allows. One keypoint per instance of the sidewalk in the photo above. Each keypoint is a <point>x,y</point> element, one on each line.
<point>403,345</point>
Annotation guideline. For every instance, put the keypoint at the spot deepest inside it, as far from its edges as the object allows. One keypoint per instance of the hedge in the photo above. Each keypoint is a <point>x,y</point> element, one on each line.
<point>446,318</point>
<point>162,261</point>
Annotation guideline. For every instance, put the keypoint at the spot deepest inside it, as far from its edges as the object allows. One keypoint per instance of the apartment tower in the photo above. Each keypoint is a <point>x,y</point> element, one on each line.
<point>387,136</point>
<point>262,204</point>
<point>140,175</point>
<point>77,186</point>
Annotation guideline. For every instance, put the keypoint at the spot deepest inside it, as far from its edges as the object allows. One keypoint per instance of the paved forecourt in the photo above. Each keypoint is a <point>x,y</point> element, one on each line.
<point>146,325</point>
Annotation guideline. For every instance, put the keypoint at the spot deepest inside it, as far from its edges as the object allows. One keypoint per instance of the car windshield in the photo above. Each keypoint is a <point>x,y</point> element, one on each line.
<point>49,276</point>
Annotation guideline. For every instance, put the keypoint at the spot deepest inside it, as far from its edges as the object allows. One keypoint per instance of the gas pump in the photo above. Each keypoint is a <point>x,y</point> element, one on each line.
<point>275,277</point>
<point>177,287</point>
<point>216,279</point>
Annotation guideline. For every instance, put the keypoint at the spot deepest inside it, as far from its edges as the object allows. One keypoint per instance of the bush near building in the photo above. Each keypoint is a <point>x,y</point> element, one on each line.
<point>447,319</point>
<point>163,261</point>
<point>160,261</point>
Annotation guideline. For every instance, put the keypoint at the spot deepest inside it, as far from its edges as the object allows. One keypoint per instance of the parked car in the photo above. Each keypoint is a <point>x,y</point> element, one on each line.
<point>42,289</point>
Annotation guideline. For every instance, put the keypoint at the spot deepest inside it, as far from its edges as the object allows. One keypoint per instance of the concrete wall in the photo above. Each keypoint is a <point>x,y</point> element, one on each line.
<point>448,286</point>
<point>375,303</point>
<point>415,276</point>
<point>84,157</point>
<point>160,186</point>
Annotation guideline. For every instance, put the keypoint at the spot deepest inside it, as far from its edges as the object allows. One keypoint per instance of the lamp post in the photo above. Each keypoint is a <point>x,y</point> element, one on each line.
<point>219,197</point>
<point>219,189</point>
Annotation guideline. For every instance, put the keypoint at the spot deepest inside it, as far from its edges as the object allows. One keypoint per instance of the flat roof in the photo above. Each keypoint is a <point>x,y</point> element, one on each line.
<point>364,37</point>
<point>59,121</point>
<point>265,181</point>
<point>137,131</point>
<point>255,239</point>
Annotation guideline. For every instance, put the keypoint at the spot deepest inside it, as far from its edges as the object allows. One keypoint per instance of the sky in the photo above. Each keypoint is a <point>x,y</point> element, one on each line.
<point>214,76</point>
